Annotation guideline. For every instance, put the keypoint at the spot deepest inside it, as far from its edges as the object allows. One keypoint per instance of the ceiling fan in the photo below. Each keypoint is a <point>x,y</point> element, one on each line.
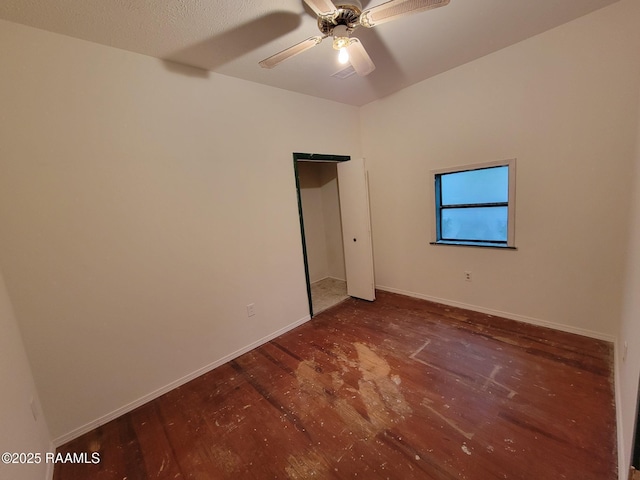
<point>340,18</point>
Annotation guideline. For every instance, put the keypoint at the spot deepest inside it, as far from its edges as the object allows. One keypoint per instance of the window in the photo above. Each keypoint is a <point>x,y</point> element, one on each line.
<point>475,205</point>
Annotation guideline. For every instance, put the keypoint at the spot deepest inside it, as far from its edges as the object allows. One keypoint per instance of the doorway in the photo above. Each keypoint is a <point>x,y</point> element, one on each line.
<point>635,461</point>
<point>335,226</point>
<point>321,226</point>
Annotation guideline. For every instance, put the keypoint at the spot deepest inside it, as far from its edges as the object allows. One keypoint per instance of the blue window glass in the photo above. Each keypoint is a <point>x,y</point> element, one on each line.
<point>487,185</point>
<point>481,224</point>
<point>472,206</point>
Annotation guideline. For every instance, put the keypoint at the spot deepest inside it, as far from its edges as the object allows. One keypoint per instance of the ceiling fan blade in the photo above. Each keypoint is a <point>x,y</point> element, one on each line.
<point>287,53</point>
<point>321,7</point>
<point>396,9</point>
<point>359,58</point>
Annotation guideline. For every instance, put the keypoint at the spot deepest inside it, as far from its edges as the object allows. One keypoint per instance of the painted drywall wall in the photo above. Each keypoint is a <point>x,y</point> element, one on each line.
<point>143,205</point>
<point>321,210</point>
<point>23,428</point>
<point>564,104</point>
<point>332,220</point>
<point>314,228</point>
<point>629,362</point>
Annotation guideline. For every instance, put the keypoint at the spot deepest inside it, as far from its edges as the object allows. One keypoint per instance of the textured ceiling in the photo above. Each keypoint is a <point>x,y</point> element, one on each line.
<point>231,36</point>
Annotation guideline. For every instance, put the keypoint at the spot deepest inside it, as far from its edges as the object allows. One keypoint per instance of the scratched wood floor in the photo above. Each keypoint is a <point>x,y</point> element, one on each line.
<point>400,388</point>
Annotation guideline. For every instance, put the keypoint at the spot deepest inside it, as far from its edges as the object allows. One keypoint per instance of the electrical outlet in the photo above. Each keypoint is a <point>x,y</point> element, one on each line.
<point>251,310</point>
<point>467,276</point>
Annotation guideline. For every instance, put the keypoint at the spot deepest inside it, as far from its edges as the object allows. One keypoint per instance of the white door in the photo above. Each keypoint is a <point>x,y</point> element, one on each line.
<point>356,228</point>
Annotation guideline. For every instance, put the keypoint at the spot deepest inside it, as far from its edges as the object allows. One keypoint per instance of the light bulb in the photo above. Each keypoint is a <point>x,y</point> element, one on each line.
<point>343,56</point>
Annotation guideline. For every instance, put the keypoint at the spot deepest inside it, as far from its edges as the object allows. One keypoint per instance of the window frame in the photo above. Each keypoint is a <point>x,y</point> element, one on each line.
<point>436,208</point>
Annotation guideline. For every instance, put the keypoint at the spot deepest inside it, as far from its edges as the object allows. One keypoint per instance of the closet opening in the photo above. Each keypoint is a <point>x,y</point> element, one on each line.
<point>321,229</point>
<point>342,185</point>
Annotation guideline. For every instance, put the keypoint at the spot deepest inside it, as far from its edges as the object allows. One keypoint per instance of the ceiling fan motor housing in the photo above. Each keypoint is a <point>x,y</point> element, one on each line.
<point>347,14</point>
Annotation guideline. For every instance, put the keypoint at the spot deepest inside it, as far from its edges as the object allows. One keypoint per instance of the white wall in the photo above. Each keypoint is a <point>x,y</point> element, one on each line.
<point>332,220</point>
<point>629,368</point>
<point>323,229</point>
<point>564,104</point>
<point>314,228</point>
<point>142,208</point>
<point>20,429</point>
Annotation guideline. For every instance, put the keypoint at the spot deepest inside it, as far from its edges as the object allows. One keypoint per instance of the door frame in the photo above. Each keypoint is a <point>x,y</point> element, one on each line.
<point>635,451</point>
<point>310,157</point>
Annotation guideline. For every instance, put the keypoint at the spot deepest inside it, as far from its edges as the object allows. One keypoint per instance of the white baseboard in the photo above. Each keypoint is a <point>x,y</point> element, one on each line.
<point>50,465</point>
<point>325,278</point>
<point>510,316</point>
<point>61,440</point>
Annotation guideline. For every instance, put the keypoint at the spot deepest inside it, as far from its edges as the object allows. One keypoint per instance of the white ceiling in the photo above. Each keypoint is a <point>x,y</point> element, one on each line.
<point>231,36</point>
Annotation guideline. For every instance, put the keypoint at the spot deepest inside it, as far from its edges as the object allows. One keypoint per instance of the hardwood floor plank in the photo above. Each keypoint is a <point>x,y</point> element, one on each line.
<point>399,388</point>
<point>158,454</point>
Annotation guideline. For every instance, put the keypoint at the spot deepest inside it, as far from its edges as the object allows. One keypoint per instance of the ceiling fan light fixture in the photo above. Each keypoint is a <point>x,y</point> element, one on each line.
<point>341,42</point>
<point>343,56</point>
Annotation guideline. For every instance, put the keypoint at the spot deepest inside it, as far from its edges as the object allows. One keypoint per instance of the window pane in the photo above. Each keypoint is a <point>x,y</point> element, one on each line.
<point>487,185</point>
<point>482,224</point>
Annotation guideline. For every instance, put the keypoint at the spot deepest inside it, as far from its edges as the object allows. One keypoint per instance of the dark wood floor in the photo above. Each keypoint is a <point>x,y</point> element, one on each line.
<point>399,388</point>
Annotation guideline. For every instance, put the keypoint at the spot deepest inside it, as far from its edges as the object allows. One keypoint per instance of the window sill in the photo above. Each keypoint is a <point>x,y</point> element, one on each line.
<point>473,244</point>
